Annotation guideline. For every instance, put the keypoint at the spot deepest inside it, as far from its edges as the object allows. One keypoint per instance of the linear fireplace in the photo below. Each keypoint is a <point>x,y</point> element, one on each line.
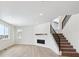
<point>40,41</point>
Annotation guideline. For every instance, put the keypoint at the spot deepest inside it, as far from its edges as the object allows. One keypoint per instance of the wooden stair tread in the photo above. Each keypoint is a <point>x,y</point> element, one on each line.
<point>60,39</point>
<point>57,36</point>
<point>69,52</point>
<point>64,42</point>
<point>68,48</point>
<point>65,46</point>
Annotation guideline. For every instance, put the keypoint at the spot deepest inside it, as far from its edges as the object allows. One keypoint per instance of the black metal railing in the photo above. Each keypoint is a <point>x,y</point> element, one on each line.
<point>65,20</point>
<point>52,31</point>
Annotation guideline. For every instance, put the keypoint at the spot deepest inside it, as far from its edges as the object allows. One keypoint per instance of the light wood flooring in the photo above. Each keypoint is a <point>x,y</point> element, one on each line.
<point>27,51</point>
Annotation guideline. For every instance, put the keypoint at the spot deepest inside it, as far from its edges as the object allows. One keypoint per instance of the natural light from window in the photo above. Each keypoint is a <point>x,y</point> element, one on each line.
<point>3,32</point>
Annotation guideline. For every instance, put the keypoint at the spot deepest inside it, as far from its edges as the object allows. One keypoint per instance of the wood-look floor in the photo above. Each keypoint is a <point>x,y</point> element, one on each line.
<point>27,51</point>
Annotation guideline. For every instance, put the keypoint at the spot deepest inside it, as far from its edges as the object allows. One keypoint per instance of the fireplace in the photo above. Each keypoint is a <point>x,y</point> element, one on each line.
<point>40,41</point>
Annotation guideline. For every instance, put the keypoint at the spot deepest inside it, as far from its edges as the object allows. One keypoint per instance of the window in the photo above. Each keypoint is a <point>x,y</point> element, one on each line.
<point>3,31</point>
<point>6,32</point>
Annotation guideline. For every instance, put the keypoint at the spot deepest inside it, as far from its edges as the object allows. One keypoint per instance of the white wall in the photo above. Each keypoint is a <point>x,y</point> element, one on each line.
<point>71,31</point>
<point>8,42</point>
<point>57,24</point>
<point>29,37</point>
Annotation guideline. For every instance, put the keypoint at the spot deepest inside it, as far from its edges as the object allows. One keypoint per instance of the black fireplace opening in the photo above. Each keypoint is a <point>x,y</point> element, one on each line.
<point>40,41</point>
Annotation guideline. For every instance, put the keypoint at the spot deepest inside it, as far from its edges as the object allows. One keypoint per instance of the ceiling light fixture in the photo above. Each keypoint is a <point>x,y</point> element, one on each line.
<point>41,14</point>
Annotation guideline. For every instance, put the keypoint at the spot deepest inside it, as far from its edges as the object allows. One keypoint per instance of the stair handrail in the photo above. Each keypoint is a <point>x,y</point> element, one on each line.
<point>57,36</point>
<point>65,20</point>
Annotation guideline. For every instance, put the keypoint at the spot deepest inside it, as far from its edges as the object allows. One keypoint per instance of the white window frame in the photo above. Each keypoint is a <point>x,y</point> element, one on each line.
<point>5,25</point>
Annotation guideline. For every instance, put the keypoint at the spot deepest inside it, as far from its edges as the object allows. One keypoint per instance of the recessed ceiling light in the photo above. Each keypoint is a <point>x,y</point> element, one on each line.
<point>41,14</point>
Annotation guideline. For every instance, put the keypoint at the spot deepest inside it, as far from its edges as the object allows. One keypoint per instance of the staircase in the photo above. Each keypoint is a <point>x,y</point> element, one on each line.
<point>65,47</point>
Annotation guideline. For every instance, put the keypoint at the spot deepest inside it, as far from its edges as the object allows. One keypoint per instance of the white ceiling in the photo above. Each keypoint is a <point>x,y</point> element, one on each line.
<point>22,13</point>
